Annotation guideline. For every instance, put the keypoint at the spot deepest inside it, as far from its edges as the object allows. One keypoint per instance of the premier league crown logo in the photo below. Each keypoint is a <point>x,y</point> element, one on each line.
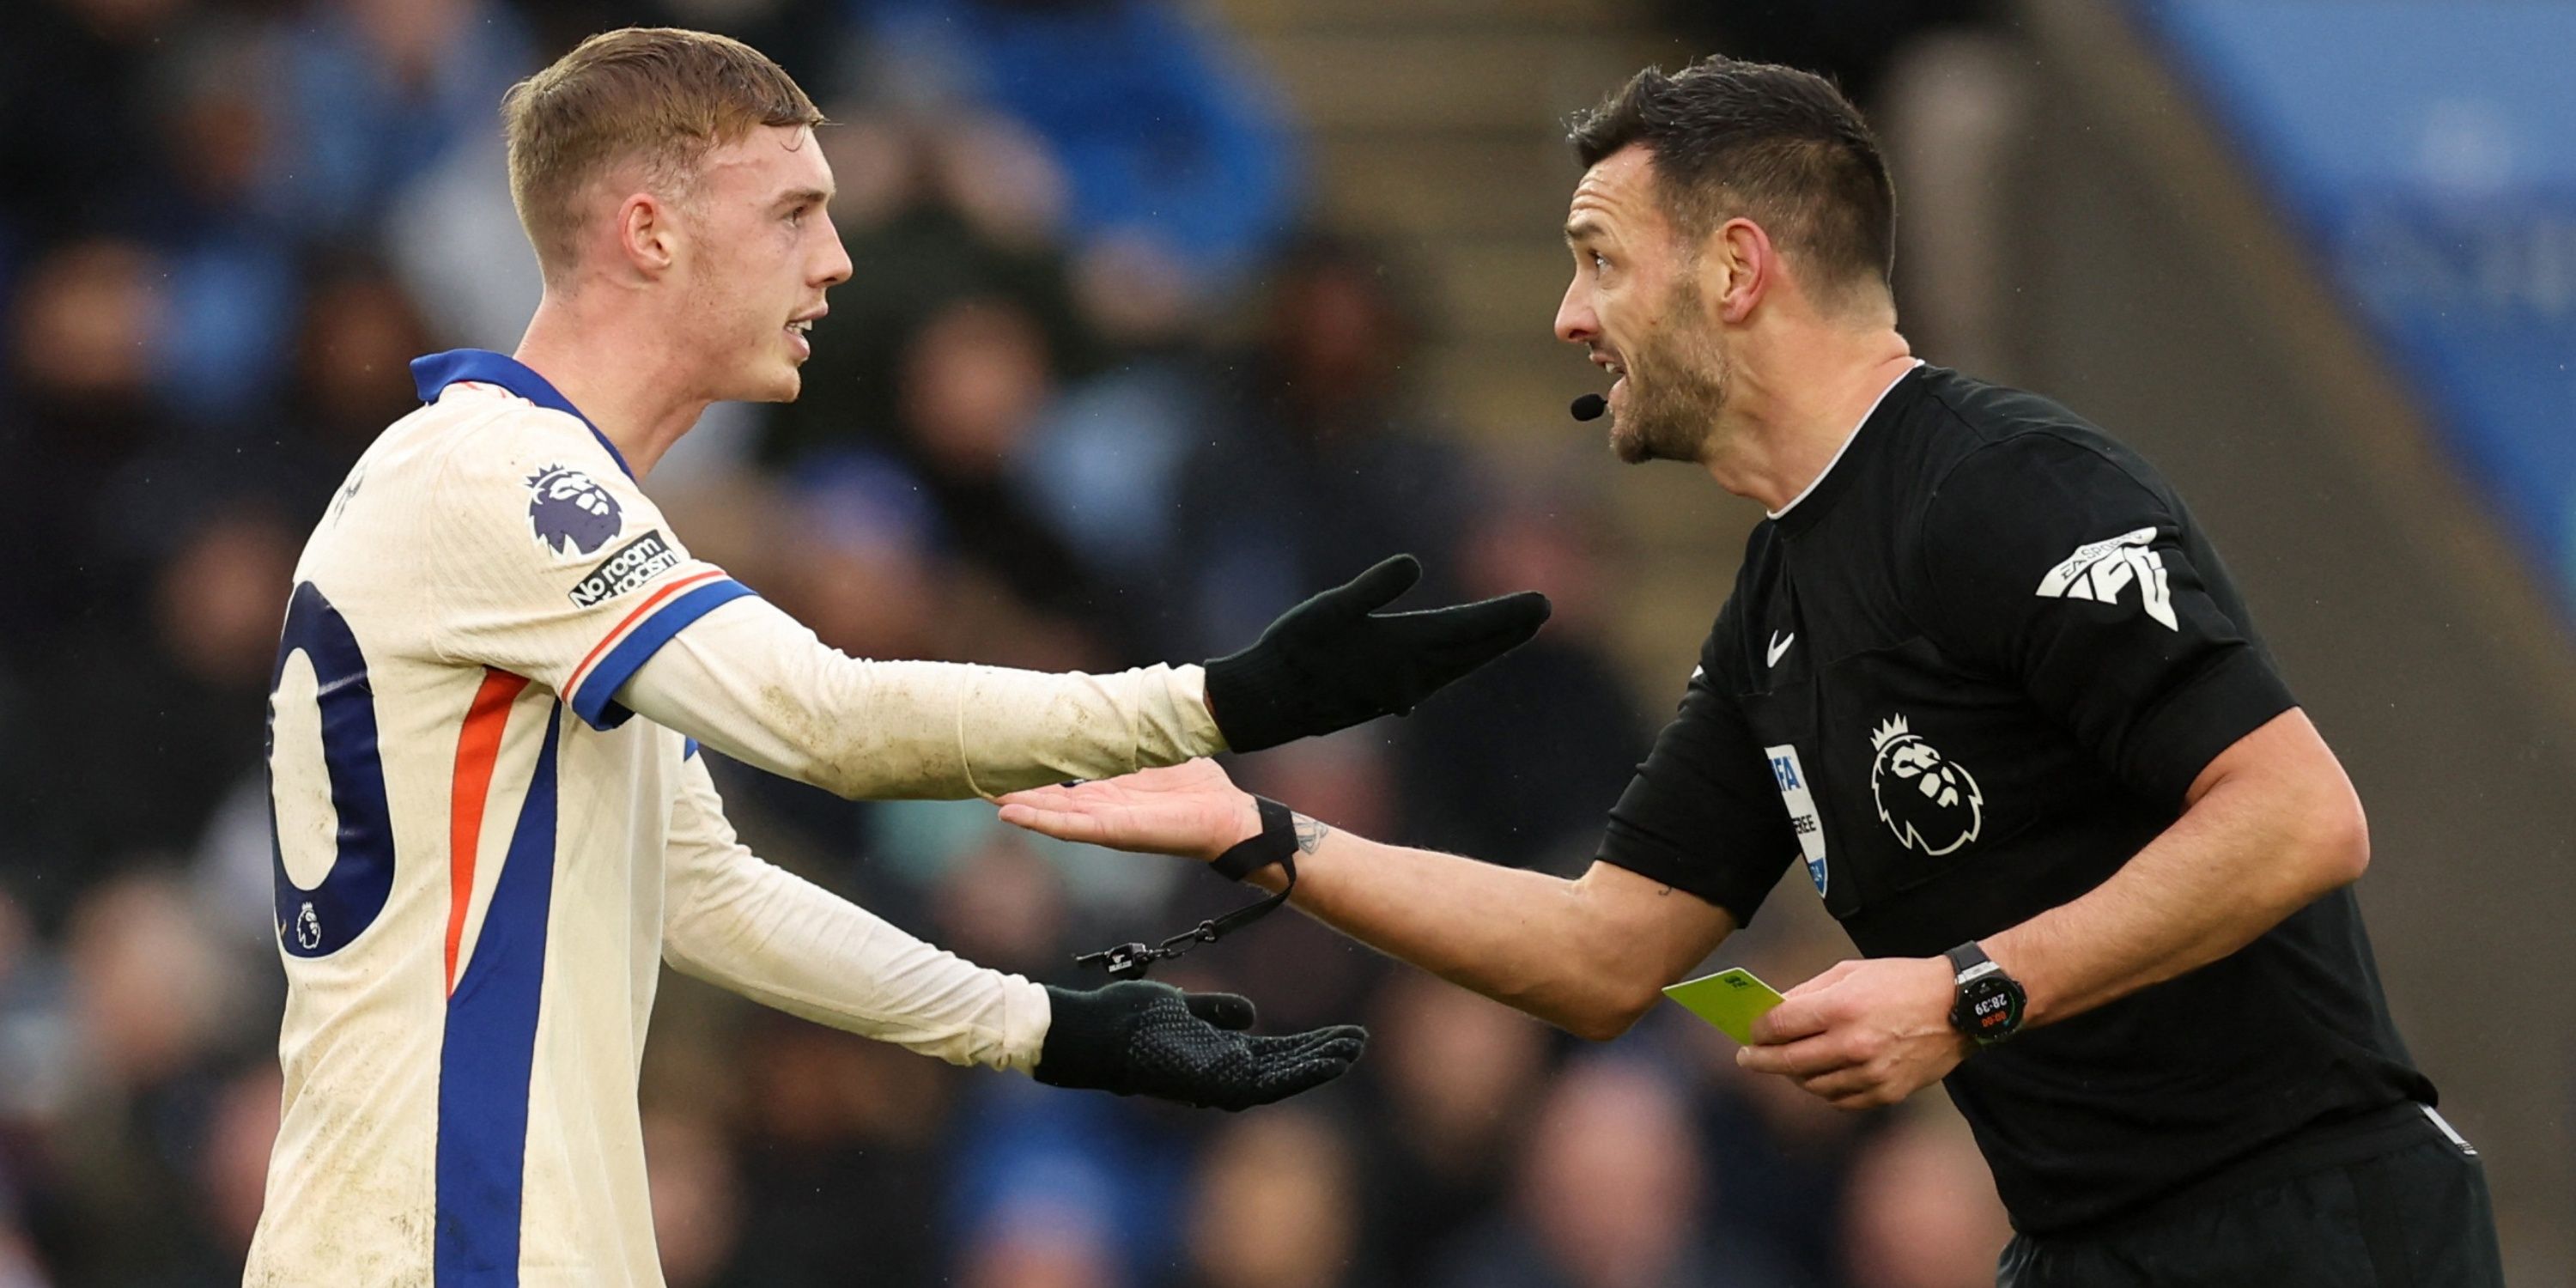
<point>1929,800</point>
<point>567,508</point>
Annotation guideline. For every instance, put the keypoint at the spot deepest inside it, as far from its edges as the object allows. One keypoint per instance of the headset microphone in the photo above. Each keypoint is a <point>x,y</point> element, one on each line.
<point>1589,407</point>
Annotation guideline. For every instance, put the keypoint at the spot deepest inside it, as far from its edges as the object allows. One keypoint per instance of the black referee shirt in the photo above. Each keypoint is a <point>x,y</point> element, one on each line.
<point>1963,679</point>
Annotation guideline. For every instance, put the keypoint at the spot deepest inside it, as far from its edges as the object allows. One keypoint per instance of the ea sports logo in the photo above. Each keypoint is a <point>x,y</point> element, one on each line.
<point>1930,801</point>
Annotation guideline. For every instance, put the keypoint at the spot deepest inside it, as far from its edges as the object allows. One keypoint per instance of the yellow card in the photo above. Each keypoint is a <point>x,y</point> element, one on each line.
<point>1730,999</point>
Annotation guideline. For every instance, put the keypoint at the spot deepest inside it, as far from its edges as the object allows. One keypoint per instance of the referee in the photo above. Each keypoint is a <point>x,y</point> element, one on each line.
<point>1985,680</point>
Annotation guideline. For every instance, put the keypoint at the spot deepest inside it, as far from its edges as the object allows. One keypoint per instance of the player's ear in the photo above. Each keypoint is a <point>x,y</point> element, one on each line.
<point>648,233</point>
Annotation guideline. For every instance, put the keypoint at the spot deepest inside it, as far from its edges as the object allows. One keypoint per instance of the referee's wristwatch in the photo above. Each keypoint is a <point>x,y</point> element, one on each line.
<point>1988,1003</point>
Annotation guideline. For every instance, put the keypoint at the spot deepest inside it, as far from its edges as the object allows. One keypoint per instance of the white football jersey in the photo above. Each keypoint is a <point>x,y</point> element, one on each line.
<point>483,859</point>
<point>470,840</point>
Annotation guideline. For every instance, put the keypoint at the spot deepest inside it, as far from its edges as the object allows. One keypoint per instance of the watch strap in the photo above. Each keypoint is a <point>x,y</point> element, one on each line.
<point>1975,979</point>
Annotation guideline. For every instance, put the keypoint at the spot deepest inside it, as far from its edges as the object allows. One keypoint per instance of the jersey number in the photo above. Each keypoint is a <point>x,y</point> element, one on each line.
<point>322,920</point>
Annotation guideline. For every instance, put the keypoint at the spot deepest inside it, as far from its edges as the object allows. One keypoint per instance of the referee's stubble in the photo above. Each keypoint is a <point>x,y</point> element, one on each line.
<point>1676,381</point>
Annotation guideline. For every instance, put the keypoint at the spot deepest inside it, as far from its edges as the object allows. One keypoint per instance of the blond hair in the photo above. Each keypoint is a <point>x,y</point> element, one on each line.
<point>660,96</point>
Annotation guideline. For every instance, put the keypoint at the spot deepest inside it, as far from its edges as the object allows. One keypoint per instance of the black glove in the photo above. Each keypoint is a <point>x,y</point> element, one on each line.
<point>1334,661</point>
<point>1140,1038</point>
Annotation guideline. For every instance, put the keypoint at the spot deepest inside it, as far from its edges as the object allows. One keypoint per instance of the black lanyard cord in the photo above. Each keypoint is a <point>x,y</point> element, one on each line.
<point>1276,842</point>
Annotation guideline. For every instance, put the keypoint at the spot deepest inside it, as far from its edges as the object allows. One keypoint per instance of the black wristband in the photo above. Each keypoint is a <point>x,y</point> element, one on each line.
<point>1276,842</point>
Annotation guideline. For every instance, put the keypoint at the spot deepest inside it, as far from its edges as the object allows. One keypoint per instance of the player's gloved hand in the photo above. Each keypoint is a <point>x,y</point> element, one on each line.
<point>1140,1038</point>
<point>1334,661</point>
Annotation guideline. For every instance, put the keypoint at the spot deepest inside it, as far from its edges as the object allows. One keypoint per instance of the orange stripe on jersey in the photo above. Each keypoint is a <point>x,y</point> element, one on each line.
<point>478,745</point>
<point>572,683</point>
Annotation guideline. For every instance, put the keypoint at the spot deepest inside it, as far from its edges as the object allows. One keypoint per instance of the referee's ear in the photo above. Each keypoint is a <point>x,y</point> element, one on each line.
<point>1739,267</point>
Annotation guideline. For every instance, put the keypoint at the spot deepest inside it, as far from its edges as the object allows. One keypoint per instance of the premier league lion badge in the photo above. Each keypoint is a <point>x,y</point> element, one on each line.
<point>568,508</point>
<point>1929,800</point>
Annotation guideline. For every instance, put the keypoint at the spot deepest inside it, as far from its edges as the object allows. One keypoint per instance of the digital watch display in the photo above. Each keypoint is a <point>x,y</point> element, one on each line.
<point>1987,1005</point>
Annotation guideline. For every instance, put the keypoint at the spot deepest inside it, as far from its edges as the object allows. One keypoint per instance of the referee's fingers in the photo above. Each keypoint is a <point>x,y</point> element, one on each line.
<point>1803,1059</point>
<point>1791,1020</point>
<point>1838,1085</point>
<point>1832,974</point>
<point>1063,825</point>
<point>1051,796</point>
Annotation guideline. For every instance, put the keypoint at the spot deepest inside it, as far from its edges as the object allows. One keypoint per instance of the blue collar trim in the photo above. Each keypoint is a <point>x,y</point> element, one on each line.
<point>434,373</point>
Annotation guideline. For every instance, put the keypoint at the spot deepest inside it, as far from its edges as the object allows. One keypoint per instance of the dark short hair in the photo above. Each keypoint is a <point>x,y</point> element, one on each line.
<point>1774,144</point>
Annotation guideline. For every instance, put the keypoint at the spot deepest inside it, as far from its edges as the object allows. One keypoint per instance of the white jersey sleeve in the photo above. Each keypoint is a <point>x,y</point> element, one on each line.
<point>551,563</point>
<point>755,684</point>
<point>743,924</point>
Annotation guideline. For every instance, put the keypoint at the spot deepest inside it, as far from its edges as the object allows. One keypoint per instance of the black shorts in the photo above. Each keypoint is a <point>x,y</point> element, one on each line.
<point>2413,1216</point>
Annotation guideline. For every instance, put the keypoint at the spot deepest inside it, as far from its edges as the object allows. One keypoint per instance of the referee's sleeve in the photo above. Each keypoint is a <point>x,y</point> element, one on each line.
<point>2076,572</point>
<point>1704,813</point>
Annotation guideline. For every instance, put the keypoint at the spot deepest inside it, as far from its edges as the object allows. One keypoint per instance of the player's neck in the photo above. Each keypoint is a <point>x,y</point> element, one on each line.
<point>1788,412</point>
<point>618,374</point>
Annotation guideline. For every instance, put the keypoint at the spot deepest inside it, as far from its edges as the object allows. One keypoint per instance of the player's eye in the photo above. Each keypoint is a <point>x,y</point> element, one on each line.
<point>1599,264</point>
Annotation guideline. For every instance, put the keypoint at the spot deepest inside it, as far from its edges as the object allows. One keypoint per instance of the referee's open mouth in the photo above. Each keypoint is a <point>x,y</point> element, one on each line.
<point>1617,367</point>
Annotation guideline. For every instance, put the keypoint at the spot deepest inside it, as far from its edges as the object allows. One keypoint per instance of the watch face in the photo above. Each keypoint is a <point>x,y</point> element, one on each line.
<point>1988,1009</point>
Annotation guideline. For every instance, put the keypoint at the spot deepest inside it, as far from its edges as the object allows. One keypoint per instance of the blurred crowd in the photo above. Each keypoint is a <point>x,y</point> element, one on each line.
<point>1101,392</point>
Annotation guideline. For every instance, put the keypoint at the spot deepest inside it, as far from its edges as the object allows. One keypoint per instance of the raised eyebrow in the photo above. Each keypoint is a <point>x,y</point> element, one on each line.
<point>1581,228</point>
<point>805,196</point>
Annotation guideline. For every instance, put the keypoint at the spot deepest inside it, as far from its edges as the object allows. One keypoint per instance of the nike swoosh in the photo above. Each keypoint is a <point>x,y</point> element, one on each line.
<point>1779,646</point>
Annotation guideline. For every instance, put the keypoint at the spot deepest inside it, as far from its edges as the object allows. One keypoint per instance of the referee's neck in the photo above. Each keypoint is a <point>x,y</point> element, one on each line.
<point>1784,421</point>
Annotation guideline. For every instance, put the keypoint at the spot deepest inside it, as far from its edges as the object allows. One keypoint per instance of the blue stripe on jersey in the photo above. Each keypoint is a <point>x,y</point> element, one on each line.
<point>489,1053</point>
<point>592,700</point>
<point>437,371</point>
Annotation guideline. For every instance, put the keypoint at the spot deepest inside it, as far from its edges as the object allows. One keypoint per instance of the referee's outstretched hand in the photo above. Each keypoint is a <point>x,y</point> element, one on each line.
<point>1335,661</point>
<point>1140,1038</point>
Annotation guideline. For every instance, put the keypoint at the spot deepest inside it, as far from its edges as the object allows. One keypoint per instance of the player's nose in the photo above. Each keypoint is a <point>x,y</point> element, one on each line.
<point>835,266</point>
